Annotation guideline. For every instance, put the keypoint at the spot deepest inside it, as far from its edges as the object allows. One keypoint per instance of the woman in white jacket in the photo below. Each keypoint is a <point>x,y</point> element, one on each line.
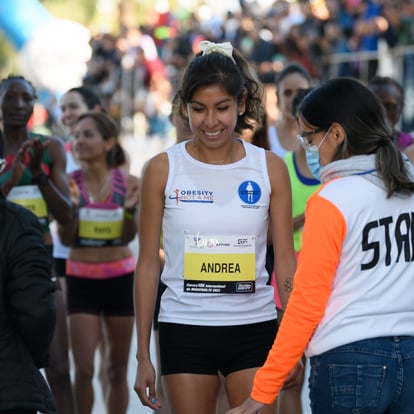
<point>351,308</point>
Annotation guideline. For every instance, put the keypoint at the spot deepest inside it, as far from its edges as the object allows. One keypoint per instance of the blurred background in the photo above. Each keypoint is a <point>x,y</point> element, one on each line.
<point>131,51</point>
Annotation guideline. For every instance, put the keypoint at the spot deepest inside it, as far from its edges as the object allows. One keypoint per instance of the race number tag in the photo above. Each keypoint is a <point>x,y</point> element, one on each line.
<point>100,224</point>
<point>219,264</point>
<point>30,197</point>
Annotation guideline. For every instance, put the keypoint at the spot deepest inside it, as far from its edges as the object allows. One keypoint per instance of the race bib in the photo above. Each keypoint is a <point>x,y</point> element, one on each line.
<point>30,197</point>
<point>219,264</point>
<point>98,224</point>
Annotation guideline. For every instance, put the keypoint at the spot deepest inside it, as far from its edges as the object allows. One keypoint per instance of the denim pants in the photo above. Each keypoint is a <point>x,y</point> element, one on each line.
<point>373,376</point>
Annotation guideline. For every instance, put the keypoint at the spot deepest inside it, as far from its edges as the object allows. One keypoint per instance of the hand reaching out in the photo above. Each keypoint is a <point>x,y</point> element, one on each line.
<point>18,167</point>
<point>250,406</point>
<point>296,376</point>
<point>132,192</point>
<point>36,152</point>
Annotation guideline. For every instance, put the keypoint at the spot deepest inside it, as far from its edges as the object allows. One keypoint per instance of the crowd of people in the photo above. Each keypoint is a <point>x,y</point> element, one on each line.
<point>136,71</point>
<point>241,290</point>
<point>83,197</point>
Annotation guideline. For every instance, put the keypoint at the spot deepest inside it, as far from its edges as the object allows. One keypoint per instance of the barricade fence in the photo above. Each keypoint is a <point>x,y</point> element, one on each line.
<point>397,62</point>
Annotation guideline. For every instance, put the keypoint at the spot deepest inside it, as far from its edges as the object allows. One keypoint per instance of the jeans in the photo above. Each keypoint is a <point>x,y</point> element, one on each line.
<point>373,376</point>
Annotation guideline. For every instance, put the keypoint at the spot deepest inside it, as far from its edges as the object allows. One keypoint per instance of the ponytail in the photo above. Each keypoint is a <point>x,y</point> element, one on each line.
<point>393,168</point>
<point>116,157</point>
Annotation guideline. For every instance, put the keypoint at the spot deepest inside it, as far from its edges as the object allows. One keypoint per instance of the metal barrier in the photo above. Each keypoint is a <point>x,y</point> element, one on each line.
<point>397,62</point>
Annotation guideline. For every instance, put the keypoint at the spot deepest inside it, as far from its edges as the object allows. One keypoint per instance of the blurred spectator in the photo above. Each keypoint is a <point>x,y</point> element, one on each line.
<point>38,121</point>
<point>372,25</point>
<point>300,49</point>
<point>391,94</point>
<point>103,67</point>
<point>156,106</point>
<point>258,48</point>
<point>269,34</point>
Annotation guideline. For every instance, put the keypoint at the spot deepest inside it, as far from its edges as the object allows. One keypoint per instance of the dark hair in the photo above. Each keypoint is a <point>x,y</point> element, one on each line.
<point>381,81</point>
<point>236,76</point>
<point>351,104</point>
<point>380,85</point>
<point>260,136</point>
<point>12,78</point>
<point>298,99</point>
<point>175,110</point>
<point>108,129</point>
<point>289,69</point>
<point>91,99</point>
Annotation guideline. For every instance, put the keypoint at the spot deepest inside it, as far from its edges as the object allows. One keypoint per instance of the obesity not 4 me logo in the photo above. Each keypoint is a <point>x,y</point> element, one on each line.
<point>249,192</point>
<point>192,196</point>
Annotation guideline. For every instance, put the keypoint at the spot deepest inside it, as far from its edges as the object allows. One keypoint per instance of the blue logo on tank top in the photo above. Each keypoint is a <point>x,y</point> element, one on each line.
<point>249,192</point>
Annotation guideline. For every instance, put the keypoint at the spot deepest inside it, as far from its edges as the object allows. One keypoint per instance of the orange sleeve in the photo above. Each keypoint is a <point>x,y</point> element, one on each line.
<point>323,235</point>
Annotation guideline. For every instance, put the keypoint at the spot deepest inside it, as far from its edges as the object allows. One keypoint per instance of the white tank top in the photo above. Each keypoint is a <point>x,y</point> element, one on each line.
<point>214,237</point>
<point>274,142</point>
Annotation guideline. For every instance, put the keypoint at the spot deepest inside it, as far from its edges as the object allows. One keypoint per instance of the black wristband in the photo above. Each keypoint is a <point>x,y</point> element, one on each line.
<point>41,179</point>
<point>132,210</point>
<point>129,213</point>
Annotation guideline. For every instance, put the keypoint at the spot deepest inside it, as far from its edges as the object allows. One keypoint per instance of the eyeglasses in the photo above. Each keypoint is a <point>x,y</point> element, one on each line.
<point>303,139</point>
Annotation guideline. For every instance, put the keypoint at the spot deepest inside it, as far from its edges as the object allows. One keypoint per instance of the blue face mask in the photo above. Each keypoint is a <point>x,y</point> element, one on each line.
<point>312,159</point>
